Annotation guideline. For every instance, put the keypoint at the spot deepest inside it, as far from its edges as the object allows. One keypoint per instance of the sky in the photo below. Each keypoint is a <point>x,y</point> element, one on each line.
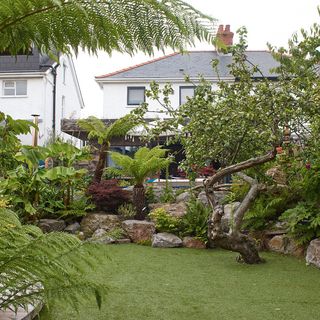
<point>273,21</point>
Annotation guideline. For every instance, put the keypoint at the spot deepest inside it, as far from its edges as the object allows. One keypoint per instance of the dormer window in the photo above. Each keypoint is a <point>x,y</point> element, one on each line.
<point>135,95</point>
<point>14,88</point>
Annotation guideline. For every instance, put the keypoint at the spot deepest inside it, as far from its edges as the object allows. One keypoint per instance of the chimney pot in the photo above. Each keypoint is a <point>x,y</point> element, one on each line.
<point>225,35</point>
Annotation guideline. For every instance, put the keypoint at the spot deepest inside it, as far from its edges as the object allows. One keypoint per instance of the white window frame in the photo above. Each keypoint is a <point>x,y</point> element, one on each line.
<point>181,88</point>
<point>129,103</point>
<point>14,88</point>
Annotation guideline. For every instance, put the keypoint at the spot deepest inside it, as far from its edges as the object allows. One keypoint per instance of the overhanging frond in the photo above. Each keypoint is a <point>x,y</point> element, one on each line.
<point>121,25</point>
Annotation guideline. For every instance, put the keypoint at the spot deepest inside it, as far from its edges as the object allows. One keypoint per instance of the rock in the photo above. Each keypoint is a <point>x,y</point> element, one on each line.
<point>101,236</point>
<point>176,210</point>
<point>49,225</point>
<point>94,221</point>
<point>203,198</point>
<point>72,228</point>
<point>293,249</point>
<point>166,240</point>
<point>183,197</point>
<point>286,245</point>
<point>190,242</point>
<point>278,176</point>
<point>228,217</point>
<point>81,236</point>
<point>138,230</point>
<point>277,243</point>
<point>313,253</point>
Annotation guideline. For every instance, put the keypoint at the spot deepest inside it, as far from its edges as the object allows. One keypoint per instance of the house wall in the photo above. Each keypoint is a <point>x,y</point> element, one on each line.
<point>115,99</point>
<point>22,107</point>
<point>39,100</point>
<point>68,98</point>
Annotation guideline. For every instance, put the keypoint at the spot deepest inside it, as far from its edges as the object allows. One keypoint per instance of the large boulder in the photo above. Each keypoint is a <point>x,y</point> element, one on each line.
<point>176,210</point>
<point>166,240</point>
<point>191,242</point>
<point>139,231</point>
<point>50,225</point>
<point>313,253</point>
<point>94,221</point>
<point>228,216</point>
<point>284,244</point>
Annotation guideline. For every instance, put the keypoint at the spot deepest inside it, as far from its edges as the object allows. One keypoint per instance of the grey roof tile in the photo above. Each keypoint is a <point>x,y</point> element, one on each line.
<point>24,63</point>
<point>193,63</point>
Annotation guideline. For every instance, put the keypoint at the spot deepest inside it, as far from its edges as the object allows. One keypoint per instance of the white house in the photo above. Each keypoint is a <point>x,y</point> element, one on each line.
<point>34,84</point>
<point>125,89</point>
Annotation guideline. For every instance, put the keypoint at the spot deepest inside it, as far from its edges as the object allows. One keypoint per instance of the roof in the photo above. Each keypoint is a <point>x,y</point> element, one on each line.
<point>25,63</point>
<point>193,64</point>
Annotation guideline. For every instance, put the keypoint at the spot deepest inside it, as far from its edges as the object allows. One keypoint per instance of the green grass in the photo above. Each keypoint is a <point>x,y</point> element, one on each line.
<point>185,284</point>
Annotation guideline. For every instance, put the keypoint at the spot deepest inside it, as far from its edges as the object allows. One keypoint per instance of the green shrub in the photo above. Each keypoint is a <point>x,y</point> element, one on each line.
<point>116,233</point>
<point>268,207</point>
<point>164,221</point>
<point>303,221</point>
<point>150,195</point>
<point>167,195</point>
<point>127,210</point>
<point>195,222</point>
<point>238,191</point>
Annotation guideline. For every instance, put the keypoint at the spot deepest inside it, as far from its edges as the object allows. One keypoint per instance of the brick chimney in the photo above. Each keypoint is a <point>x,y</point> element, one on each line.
<point>225,34</point>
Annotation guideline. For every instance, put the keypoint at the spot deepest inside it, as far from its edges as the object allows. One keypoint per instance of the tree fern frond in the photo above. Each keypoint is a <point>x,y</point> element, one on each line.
<point>35,267</point>
<point>121,25</point>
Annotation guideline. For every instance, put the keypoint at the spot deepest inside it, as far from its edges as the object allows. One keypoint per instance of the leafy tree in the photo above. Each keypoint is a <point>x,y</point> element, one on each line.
<point>103,134</point>
<point>241,123</point>
<point>121,25</point>
<point>146,162</point>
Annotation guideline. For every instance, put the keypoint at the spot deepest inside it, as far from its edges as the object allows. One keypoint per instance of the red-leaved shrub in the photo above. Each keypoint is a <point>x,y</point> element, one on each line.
<point>107,195</point>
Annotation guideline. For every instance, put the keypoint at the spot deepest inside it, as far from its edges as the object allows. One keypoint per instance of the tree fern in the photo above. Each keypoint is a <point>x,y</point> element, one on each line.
<point>34,267</point>
<point>144,163</point>
<point>121,25</point>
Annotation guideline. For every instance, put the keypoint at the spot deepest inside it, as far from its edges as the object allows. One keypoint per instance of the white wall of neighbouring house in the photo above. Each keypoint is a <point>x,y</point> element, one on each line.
<point>39,100</point>
<point>22,107</point>
<point>115,98</point>
<point>69,102</point>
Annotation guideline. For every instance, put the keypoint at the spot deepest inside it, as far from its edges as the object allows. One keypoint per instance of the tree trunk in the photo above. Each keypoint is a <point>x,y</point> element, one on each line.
<point>239,243</point>
<point>139,201</point>
<point>234,240</point>
<point>101,162</point>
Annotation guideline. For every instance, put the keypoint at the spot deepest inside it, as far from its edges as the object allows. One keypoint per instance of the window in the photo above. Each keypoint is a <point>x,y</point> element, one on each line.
<point>136,95</point>
<point>186,92</point>
<point>15,87</point>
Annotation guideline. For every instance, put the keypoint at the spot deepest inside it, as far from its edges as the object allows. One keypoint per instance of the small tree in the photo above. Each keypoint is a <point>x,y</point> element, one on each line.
<point>241,123</point>
<point>103,134</point>
<point>145,162</point>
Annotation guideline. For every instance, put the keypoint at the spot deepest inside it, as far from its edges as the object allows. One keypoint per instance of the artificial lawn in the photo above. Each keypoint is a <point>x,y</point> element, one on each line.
<point>188,284</point>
